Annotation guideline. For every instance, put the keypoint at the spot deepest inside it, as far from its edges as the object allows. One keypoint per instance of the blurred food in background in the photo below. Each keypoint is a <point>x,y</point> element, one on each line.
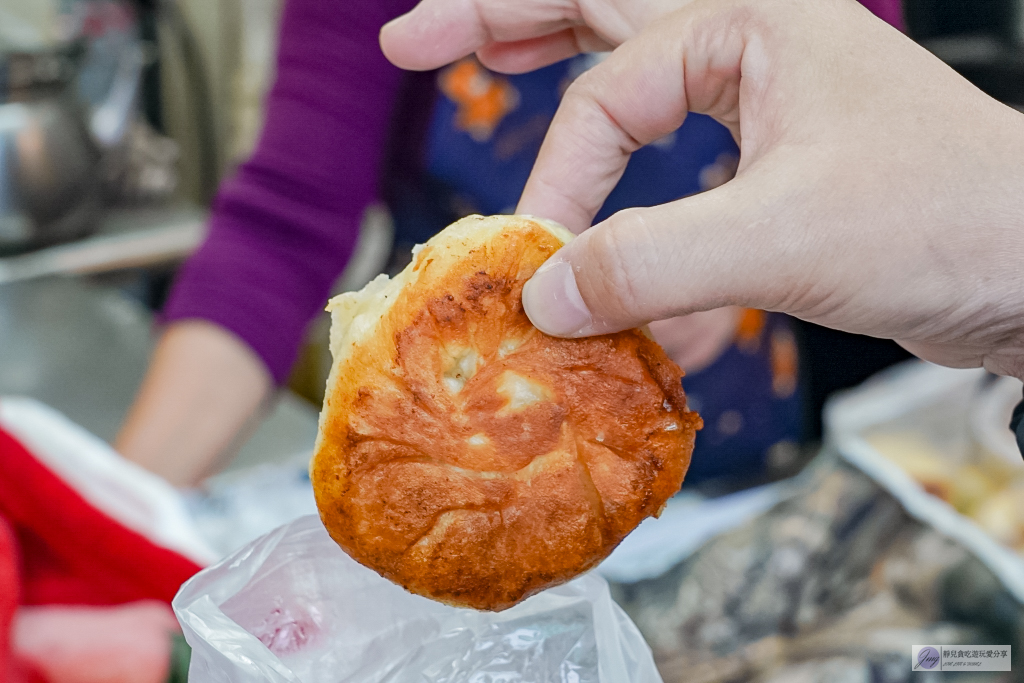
<point>981,475</point>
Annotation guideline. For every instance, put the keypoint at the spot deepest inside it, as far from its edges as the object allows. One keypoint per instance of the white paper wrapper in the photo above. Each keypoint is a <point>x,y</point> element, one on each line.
<point>292,606</point>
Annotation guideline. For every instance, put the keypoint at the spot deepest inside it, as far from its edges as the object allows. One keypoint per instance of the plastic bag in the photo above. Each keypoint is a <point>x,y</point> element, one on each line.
<point>292,606</point>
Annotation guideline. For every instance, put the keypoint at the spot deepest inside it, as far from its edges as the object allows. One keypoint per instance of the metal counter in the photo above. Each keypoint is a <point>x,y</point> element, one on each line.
<point>83,348</point>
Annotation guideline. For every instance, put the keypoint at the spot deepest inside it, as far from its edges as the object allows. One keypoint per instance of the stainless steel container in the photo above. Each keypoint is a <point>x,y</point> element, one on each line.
<point>53,140</point>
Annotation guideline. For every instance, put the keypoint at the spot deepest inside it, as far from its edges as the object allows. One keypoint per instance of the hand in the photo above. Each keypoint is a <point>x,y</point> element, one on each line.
<point>696,341</point>
<point>878,192</point>
<point>128,643</point>
<point>514,36</point>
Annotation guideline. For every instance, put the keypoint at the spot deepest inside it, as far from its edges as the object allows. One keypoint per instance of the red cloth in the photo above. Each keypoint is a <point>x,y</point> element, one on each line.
<point>57,549</point>
<point>8,595</point>
<point>72,553</point>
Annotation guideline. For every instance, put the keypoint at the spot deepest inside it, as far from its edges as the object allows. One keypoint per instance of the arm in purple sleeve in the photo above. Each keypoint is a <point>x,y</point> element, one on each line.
<point>283,228</point>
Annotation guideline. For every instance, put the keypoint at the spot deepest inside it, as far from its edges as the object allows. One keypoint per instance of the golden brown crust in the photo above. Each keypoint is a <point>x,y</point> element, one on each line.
<point>471,459</point>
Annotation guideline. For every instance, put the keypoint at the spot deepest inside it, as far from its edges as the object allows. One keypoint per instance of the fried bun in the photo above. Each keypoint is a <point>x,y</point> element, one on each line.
<point>467,456</point>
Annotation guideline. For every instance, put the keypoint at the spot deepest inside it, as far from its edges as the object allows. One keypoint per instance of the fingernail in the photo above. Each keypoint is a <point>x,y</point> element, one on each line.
<point>553,302</point>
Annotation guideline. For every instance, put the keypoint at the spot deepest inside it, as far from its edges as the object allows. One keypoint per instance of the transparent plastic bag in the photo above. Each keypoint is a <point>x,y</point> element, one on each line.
<point>292,606</point>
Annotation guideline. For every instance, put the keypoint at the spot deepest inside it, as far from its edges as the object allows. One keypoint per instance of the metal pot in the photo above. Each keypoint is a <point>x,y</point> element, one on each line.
<point>53,141</point>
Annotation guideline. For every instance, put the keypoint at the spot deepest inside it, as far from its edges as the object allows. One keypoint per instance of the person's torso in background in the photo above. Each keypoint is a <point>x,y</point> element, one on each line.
<point>475,156</point>
<point>487,128</point>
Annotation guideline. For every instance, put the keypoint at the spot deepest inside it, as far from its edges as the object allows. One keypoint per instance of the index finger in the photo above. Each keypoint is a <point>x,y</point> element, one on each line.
<point>438,32</point>
<point>633,98</point>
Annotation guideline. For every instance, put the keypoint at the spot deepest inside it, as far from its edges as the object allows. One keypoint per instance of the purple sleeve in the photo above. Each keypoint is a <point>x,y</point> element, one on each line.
<point>283,228</point>
<point>889,10</point>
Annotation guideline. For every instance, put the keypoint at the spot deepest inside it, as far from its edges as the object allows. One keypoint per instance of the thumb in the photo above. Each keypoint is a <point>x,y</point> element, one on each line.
<point>640,265</point>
